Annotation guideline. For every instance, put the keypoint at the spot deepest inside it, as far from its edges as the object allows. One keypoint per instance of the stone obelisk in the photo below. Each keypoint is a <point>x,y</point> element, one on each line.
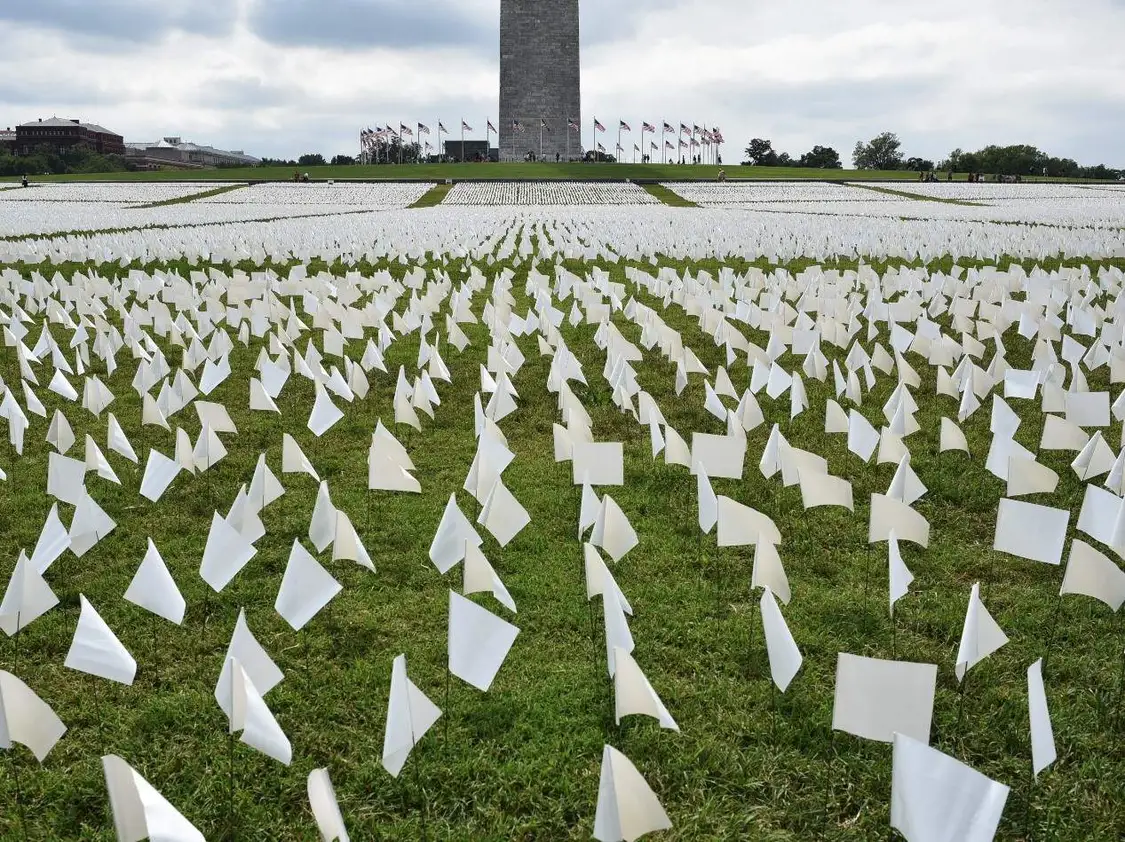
<point>540,79</point>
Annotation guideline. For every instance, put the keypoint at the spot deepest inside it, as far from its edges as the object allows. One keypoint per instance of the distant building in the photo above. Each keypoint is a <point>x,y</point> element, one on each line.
<point>58,134</point>
<point>7,139</point>
<point>471,150</point>
<point>174,152</point>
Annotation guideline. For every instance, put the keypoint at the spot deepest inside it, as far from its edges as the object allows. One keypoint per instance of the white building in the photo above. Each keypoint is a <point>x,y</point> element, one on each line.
<point>173,151</point>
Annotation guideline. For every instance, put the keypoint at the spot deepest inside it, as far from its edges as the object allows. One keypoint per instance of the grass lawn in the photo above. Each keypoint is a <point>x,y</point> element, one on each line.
<point>512,171</point>
<point>522,761</point>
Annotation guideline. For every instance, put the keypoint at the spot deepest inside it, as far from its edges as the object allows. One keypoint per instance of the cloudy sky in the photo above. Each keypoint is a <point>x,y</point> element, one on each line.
<point>282,77</point>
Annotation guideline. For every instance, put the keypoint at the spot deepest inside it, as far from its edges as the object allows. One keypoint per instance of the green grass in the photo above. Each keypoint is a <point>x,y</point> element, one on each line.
<point>206,194</point>
<point>668,196</point>
<point>435,196</point>
<point>521,762</point>
<point>513,171</point>
<point>916,197</point>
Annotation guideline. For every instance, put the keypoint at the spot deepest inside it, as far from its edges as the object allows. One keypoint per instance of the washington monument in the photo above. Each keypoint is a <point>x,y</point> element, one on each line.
<point>540,79</point>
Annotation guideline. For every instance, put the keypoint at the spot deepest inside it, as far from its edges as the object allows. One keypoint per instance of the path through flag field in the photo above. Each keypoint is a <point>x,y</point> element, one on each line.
<point>556,512</point>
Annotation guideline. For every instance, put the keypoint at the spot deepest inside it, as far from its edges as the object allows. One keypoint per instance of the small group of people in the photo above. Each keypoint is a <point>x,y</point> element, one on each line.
<point>302,178</point>
<point>974,178</point>
<point>532,157</point>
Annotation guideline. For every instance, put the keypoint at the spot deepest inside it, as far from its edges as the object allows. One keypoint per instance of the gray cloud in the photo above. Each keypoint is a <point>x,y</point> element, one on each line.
<point>362,24</point>
<point>617,20</point>
<point>138,21</point>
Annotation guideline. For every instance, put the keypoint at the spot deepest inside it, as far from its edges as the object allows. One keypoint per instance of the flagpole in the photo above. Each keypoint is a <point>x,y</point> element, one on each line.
<point>568,119</point>
<point>540,139</point>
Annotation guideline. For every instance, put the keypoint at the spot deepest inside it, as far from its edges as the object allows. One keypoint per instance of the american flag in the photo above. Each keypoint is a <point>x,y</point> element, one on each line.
<point>517,126</point>
<point>684,129</point>
<point>492,128</point>
<point>405,130</point>
<point>683,144</point>
<point>423,129</point>
<point>441,128</point>
<point>636,148</point>
<point>465,127</point>
<point>601,148</point>
<point>648,127</point>
<point>668,145</point>
<point>573,125</point>
<point>695,143</point>
<point>652,145</point>
<point>717,135</point>
<point>669,128</point>
<point>543,125</point>
<point>598,126</point>
<point>624,127</point>
<point>695,129</point>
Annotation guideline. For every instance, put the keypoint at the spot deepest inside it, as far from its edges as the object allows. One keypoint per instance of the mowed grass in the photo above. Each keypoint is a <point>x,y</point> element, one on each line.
<point>522,761</point>
<point>504,171</point>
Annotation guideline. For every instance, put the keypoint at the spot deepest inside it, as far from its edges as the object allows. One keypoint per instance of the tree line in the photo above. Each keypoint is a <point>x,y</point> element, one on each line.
<point>47,160</point>
<point>884,152</point>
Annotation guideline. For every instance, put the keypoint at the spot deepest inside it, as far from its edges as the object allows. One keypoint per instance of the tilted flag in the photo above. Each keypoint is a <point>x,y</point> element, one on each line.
<point>543,125</point>
<point>683,143</point>
<point>668,127</point>
<point>668,145</point>
<point>684,129</point>
<point>573,125</point>
<point>601,148</point>
<point>648,127</point>
<point>465,127</point>
<point>598,126</point>
<point>492,128</point>
<point>636,148</point>
<point>517,126</point>
<point>441,129</point>
<point>423,129</point>
<point>652,144</point>
<point>624,126</point>
<point>695,129</point>
<point>406,130</point>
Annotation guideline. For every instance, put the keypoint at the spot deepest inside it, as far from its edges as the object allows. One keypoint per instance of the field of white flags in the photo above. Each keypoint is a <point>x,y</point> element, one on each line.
<point>778,518</point>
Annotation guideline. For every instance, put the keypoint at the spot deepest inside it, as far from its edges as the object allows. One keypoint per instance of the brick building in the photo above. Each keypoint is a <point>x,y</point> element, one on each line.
<point>58,133</point>
<point>540,78</point>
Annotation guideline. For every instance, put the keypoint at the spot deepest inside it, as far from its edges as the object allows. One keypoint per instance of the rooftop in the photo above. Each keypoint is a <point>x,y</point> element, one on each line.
<point>190,147</point>
<point>60,122</point>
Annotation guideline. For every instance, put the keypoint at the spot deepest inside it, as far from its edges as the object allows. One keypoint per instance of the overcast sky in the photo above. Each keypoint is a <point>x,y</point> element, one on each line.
<point>281,77</point>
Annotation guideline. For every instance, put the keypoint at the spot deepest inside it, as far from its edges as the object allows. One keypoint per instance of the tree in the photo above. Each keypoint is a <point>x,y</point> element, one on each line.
<point>821,157</point>
<point>311,159</point>
<point>760,153</point>
<point>880,153</point>
<point>343,161</point>
<point>919,165</point>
